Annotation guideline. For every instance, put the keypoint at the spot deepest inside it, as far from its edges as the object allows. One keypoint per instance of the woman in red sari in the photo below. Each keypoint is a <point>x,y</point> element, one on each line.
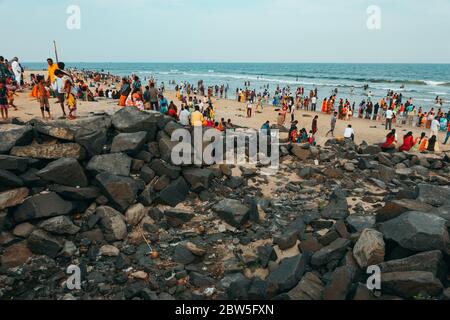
<point>408,142</point>
<point>391,139</point>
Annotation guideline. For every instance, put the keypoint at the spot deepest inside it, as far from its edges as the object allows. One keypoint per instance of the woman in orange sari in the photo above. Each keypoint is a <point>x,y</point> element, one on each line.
<point>324,105</point>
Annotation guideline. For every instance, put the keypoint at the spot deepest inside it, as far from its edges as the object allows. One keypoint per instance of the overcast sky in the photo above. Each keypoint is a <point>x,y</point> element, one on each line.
<point>228,31</point>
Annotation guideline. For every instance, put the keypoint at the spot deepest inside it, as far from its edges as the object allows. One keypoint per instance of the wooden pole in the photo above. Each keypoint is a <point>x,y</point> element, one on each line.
<point>56,51</point>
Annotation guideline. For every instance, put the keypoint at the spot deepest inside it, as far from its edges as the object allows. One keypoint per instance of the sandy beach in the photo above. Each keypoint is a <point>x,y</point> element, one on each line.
<point>365,130</point>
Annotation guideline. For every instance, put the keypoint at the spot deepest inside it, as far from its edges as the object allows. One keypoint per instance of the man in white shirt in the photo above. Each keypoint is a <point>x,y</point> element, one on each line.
<point>434,128</point>
<point>17,70</point>
<point>389,117</point>
<point>185,116</point>
<point>349,133</point>
<point>313,103</point>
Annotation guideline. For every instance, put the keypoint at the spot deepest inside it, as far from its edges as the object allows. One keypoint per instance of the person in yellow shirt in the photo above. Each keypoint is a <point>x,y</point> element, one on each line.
<point>52,67</point>
<point>197,118</point>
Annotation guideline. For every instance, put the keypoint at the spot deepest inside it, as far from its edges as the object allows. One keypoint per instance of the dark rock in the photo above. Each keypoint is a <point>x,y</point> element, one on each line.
<point>14,135</point>
<point>286,240</point>
<point>232,212</point>
<point>15,255</point>
<point>335,251</point>
<point>443,212</point>
<point>72,193</point>
<point>411,284</point>
<point>147,174</point>
<point>266,254</point>
<point>183,255</point>
<point>112,223</point>
<point>116,163</point>
<point>340,284</point>
<point>238,289</point>
<point>130,143</point>
<point>162,168</point>
<point>200,280</point>
<point>93,141</point>
<point>177,218</point>
<point>198,179</point>
<point>287,275</point>
<point>310,244</point>
<point>309,288</point>
<point>9,180</point>
<point>395,208</point>
<point>359,223</point>
<point>417,231</point>
<point>131,120</point>
<point>234,182</point>
<point>15,164</point>
<point>431,261</point>
<point>175,193</point>
<point>60,225</point>
<point>338,207</point>
<point>121,191</point>
<point>42,206</point>
<point>65,171</point>
<point>433,195</point>
<point>40,242</point>
<point>257,290</point>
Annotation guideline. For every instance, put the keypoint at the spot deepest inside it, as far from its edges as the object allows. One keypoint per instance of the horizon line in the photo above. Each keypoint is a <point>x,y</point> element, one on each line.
<point>243,62</point>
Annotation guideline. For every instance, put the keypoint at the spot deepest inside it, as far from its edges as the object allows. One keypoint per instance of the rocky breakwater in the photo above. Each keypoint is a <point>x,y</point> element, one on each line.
<point>102,194</point>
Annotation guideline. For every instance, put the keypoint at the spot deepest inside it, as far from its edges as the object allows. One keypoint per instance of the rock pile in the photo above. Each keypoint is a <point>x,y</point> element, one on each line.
<point>102,194</point>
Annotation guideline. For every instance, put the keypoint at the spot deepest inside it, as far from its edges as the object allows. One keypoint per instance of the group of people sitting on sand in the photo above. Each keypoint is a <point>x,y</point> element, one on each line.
<point>418,144</point>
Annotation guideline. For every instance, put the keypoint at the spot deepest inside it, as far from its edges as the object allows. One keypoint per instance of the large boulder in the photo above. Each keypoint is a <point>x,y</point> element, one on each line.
<point>443,212</point>
<point>232,212</point>
<point>65,171</point>
<point>411,284</point>
<point>130,143</point>
<point>301,152</point>
<point>287,275</point>
<point>50,151</point>
<point>369,249</point>
<point>112,223</point>
<point>175,193</point>
<point>12,198</point>
<point>15,255</point>
<point>42,206</point>
<point>394,208</point>
<point>335,251</point>
<point>433,195</point>
<point>121,191</point>
<point>431,261</point>
<point>93,141</point>
<point>14,135</point>
<point>131,120</point>
<point>338,206</point>
<point>177,217</point>
<point>115,163</point>
<point>417,231</point>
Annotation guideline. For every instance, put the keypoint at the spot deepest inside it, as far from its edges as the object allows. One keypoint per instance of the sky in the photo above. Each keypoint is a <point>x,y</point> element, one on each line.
<point>411,31</point>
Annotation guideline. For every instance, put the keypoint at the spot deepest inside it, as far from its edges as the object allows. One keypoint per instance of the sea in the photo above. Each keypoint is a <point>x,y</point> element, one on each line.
<point>422,82</point>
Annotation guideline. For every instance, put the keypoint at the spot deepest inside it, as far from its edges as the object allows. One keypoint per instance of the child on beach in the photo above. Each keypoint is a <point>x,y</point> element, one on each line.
<point>43,94</point>
<point>11,94</point>
<point>3,99</point>
<point>71,100</point>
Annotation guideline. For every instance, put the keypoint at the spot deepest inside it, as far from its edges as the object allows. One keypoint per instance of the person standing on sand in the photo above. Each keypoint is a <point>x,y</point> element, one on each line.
<point>153,93</point>
<point>389,117</point>
<point>448,133</point>
<point>249,109</point>
<point>314,125</point>
<point>52,67</point>
<point>43,94</point>
<point>434,127</point>
<point>314,103</point>
<point>332,125</point>
<point>124,92</point>
<point>17,70</point>
<point>3,99</point>
<point>60,79</point>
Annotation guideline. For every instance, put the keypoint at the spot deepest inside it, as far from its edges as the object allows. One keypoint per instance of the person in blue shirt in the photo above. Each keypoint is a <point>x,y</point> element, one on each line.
<point>163,103</point>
